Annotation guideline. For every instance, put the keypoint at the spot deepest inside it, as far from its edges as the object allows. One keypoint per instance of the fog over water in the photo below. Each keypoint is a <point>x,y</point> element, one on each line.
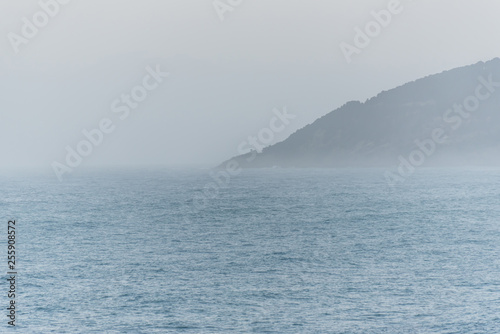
<point>105,104</point>
<point>226,76</point>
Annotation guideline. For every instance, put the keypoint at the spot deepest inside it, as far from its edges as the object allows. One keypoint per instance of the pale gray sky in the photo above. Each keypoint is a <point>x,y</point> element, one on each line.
<point>225,76</point>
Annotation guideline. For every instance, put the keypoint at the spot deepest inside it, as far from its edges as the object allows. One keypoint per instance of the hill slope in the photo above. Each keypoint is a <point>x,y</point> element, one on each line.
<point>390,126</point>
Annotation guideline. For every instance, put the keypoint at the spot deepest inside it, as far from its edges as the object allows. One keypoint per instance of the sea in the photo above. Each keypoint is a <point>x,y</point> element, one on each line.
<point>265,251</point>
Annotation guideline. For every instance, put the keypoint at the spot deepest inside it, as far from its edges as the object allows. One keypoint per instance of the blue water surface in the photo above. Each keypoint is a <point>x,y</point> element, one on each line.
<point>274,251</point>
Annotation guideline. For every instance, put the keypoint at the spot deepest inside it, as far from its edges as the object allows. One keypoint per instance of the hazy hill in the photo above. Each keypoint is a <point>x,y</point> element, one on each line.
<point>380,130</point>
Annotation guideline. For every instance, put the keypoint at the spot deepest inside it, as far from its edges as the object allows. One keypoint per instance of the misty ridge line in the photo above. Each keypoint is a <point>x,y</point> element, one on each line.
<point>49,9</point>
<point>371,30</point>
<point>121,106</point>
<point>222,176</point>
<point>392,120</point>
<point>454,117</point>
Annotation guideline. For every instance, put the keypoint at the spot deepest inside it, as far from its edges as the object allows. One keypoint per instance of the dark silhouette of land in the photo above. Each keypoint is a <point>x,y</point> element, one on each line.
<point>461,105</point>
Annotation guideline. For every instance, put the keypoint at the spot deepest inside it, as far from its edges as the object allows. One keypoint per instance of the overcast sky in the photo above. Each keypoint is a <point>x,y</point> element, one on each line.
<point>226,76</point>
